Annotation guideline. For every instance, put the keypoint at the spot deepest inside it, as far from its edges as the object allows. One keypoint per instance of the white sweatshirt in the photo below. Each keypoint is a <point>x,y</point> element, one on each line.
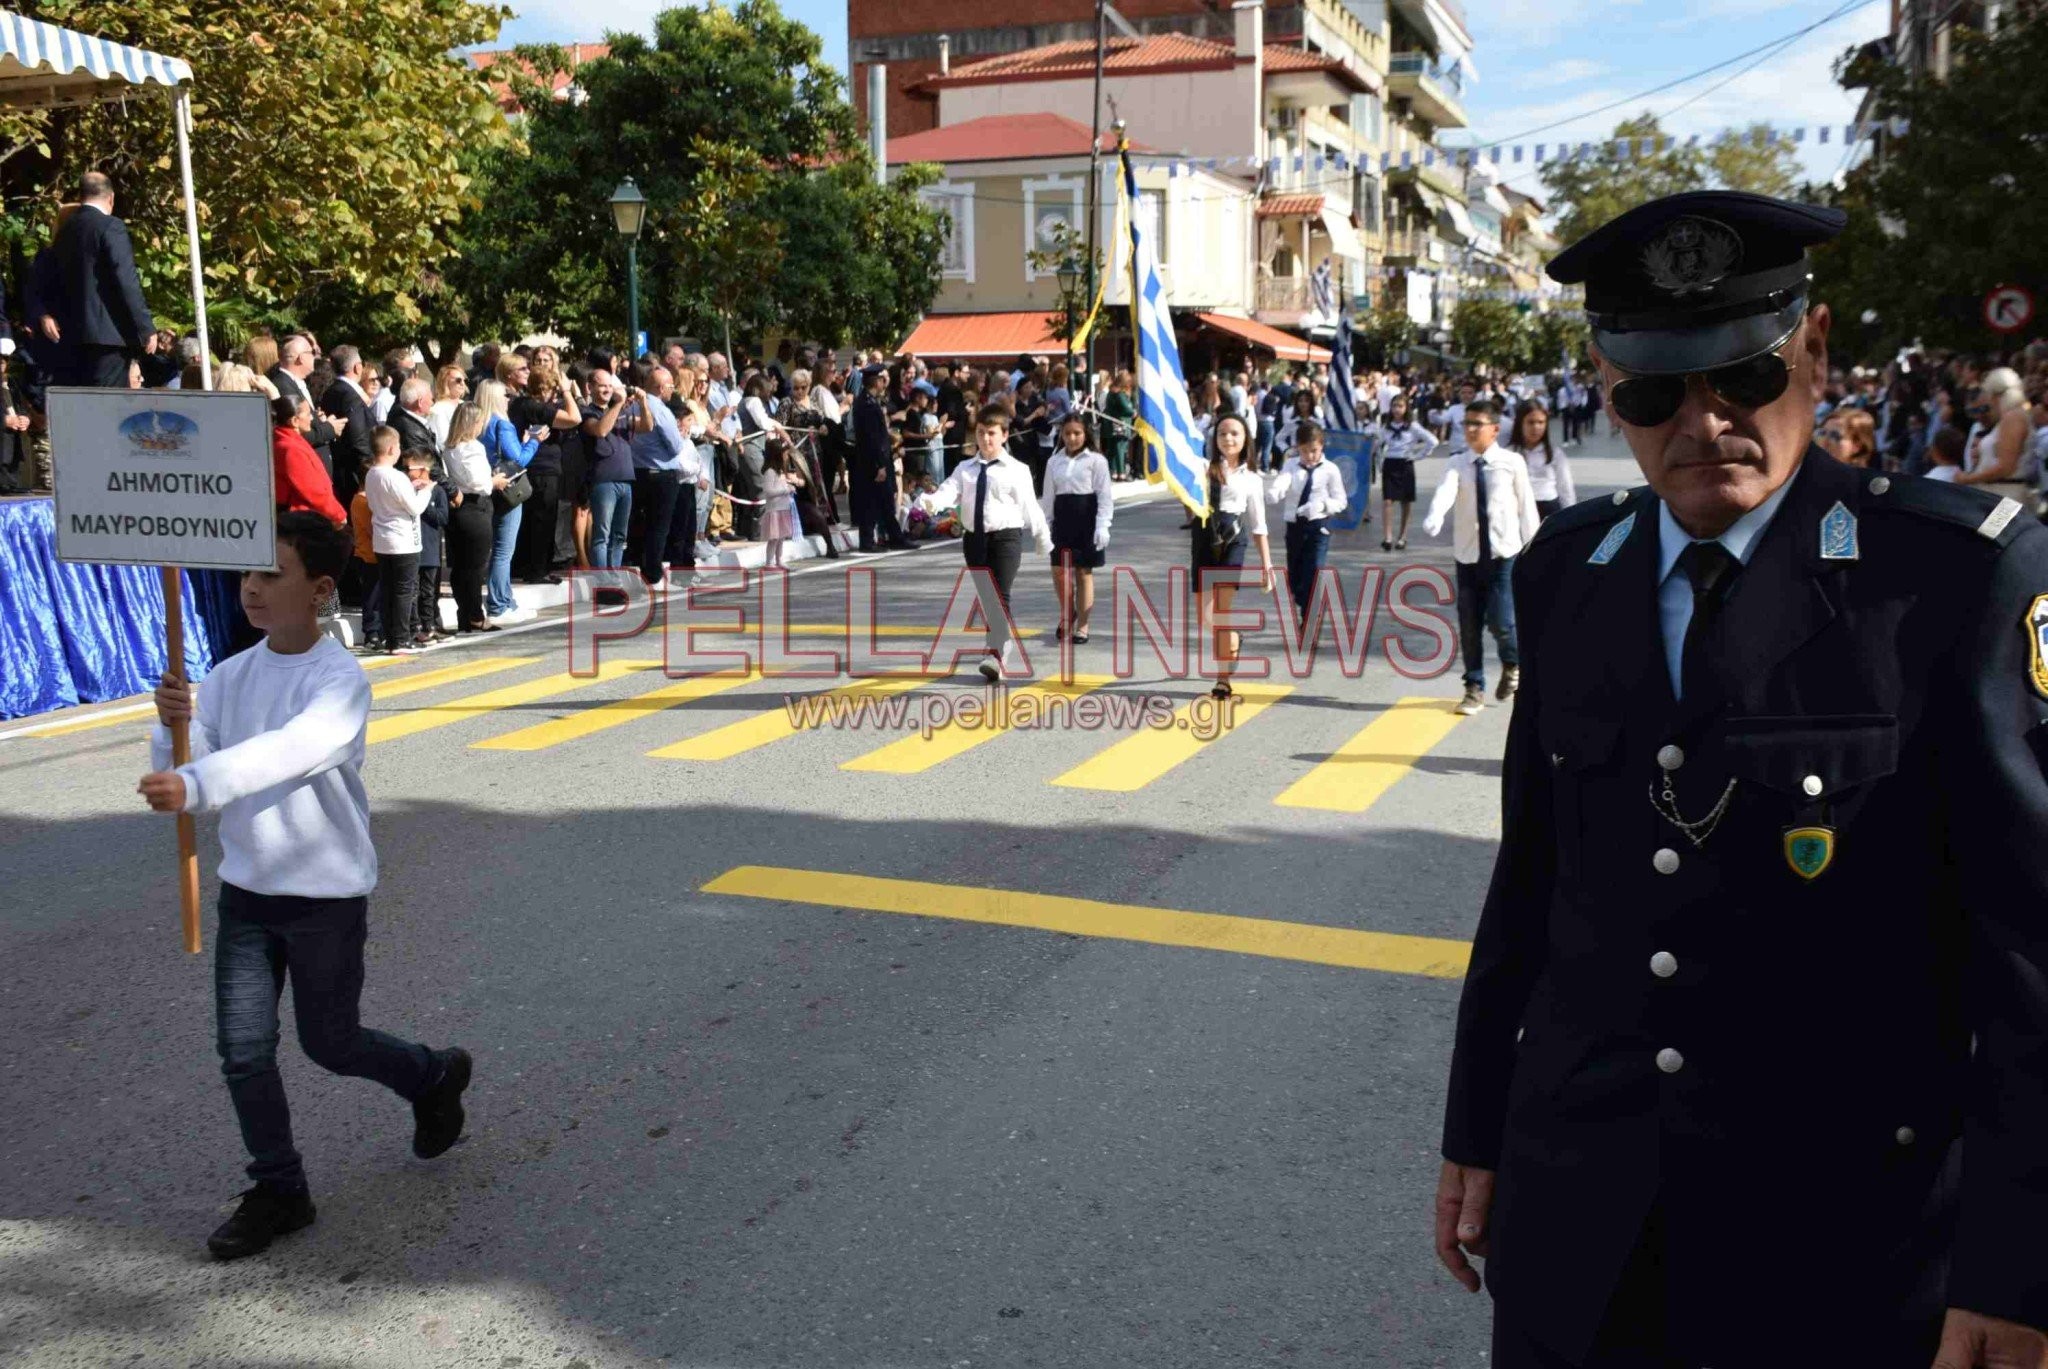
<point>277,751</point>
<point>395,508</point>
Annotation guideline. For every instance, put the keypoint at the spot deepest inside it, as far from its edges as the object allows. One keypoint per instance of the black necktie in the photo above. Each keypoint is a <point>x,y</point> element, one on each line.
<point>1479,494</point>
<point>981,496</point>
<point>1710,567</point>
<point>1308,486</point>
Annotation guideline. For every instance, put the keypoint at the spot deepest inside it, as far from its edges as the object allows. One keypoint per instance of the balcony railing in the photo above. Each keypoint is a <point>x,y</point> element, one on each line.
<point>1449,75</point>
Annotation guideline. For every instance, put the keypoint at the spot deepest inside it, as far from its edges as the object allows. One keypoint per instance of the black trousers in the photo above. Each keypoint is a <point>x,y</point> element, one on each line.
<point>655,497</point>
<point>103,367</point>
<point>469,556</point>
<point>535,557</point>
<point>1000,553</point>
<point>397,586</point>
<point>426,600</point>
<point>874,507</point>
<point>682,528</point>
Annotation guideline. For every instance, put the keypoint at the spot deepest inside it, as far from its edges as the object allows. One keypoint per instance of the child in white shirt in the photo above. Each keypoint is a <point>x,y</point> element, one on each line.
<point>396,500</point>
<point>277,752</point>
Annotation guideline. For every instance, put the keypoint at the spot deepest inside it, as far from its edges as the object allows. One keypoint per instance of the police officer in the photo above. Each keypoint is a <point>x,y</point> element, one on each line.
<point>1751,1066</point>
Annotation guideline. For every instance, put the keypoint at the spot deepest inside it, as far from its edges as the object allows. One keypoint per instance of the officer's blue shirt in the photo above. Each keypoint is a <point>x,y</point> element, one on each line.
<point>1674,591</point>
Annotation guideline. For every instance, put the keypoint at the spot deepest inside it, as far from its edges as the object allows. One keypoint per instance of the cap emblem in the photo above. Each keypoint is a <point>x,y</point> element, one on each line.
<point>1691,256</point>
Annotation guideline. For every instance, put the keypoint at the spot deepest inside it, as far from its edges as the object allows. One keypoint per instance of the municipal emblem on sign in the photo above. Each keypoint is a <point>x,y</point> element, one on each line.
<point>1809,850</point>
<point>159,432</point>
<point>2008,308</point>
<point>2037,644</point>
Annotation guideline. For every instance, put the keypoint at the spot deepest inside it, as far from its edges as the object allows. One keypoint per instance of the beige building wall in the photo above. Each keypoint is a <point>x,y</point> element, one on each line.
<point>1197,113</point>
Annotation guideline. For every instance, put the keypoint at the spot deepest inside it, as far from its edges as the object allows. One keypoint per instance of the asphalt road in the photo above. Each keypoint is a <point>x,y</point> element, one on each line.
<point>738,1129</point>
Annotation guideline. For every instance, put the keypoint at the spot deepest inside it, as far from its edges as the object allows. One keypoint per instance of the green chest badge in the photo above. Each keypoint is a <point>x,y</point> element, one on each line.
<point>1809,850</point>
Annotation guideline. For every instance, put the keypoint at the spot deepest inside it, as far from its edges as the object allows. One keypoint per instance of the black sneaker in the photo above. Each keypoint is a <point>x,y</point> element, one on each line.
<point>265,1214</point>
<point>437,1114</point>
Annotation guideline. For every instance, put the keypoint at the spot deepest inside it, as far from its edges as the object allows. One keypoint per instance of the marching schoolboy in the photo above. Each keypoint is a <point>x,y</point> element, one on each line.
<point>278,752</point>
<point>998,504</point>
<point>1309,492</point>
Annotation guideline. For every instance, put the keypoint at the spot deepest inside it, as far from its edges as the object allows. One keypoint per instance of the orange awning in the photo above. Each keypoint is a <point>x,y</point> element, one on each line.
<point>1285,346</point>
<point>984,335</point>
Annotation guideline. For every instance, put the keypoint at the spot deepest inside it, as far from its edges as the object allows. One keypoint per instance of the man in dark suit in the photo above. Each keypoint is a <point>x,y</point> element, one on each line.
<point>872,475</point>
<point>409,417</point>
<point>295,361</point>
<point>1749,1064</point>
<point>347,407</point>
<point>96,300</point>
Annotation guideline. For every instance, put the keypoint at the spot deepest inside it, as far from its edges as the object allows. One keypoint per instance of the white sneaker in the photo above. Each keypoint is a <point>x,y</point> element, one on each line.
<point>992,667</point>
<point>1474,700</point>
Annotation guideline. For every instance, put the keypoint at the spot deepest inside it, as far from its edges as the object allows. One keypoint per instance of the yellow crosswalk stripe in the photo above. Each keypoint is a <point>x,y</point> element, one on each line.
<point>1151,752</point>
<point>1393,953</point>
<point>452,674</point>
<point>1374,759</point>
<point>771,725</point>
<point>999,709</point>
<point>512,696</point>
<point>130,714</point>
<point>616,712</point>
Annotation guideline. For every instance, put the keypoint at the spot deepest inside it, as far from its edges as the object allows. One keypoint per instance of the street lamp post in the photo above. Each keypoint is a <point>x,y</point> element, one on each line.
<point>629,212</point>
<point>1069,276</point>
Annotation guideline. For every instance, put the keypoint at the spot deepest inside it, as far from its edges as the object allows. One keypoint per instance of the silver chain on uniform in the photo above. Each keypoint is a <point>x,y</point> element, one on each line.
<point>1695,832</point>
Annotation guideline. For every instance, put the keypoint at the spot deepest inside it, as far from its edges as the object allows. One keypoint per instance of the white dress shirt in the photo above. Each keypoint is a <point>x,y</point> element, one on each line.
<point>468,467</point>
<point>1011,503</point>
<point>1409,441</point>
<point>395,508</point>
<point>1087,473</point>
<point>1510,504</point>
<point>1244,494</point>
<point>827,404</point>
<point>1326,498</point>
<point>1454,418</point>
<point>381,406</point>
<point>1550,476</point>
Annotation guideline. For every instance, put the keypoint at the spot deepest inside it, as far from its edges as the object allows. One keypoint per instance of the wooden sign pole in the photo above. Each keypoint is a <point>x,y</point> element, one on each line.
<point>181,754</point>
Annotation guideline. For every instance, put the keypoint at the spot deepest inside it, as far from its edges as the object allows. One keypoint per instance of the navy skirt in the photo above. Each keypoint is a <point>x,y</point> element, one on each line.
<point>1397,479</point>
<point>1232,555</point>
<point>1073,530</point>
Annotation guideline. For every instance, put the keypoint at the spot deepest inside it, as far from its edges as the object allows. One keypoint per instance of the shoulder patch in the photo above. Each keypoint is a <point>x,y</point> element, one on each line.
<point>1591,513</point>
<point>1990,516</point>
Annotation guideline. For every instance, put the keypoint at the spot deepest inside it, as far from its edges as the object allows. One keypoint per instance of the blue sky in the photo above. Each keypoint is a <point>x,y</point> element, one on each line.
<point>1536,63</point>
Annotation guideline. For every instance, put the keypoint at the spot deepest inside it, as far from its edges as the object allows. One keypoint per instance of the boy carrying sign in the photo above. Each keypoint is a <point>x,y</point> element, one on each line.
<point>278,753</point>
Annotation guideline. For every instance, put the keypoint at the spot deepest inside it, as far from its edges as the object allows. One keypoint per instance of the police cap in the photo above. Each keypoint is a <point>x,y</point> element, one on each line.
<point>1695,281</point>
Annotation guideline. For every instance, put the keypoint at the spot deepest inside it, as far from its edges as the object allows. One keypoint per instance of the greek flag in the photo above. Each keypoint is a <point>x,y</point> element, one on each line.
<point>1340,408</point>
<point>1165,421</point>
<point>1322,294</point>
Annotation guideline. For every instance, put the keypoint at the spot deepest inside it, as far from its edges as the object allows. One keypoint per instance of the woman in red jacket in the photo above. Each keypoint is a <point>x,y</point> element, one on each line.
<point>303,485</point>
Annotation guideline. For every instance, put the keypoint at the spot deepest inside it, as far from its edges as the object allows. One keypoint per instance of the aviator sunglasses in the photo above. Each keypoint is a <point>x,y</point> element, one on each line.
<point>1646,401</point>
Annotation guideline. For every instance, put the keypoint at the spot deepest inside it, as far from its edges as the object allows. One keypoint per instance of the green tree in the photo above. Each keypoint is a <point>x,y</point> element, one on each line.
<point>1489,332</point>
<point>327,156</point>
<point>1554,336</point>
<point>1942,216</point>
<point>1379,337</point>
<point>761,203</point>
<point>1587,191</point>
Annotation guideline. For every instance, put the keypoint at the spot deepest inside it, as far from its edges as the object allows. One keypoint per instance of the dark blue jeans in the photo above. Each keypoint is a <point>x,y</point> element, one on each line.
<point>1486,599</point>
<point>319,941</point>
<point>1308,543</point>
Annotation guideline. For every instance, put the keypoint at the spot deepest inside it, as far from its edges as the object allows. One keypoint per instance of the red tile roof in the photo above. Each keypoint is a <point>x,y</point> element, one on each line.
<point>1153,54</point>
<point>558,82</point>
<point>1293,206</point>
<point>1000,138</point>
<point>984,335</point>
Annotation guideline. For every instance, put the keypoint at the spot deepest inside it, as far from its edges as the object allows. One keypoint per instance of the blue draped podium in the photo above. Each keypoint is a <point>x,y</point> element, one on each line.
<point>73,634</point>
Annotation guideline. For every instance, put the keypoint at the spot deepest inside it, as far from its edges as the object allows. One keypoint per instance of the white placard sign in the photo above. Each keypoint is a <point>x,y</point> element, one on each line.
<point>163,478</point>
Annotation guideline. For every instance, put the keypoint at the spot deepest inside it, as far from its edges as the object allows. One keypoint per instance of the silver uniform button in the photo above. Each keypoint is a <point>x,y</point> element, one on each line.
<point>1812,786</point>
<point>1905,1136</point>
<point>1670,758</point>
<point>1621,496</point>
<point>1670,1061</point>
<point>1665,861</point>
<point>1663,964</point>
<point>1880,484</point>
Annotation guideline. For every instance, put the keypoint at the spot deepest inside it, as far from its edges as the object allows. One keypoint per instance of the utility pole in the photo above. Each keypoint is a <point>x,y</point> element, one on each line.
<point>1094,178</point>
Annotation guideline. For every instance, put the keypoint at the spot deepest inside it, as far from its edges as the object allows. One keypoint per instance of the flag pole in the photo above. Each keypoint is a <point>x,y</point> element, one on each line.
<point>181,754</point>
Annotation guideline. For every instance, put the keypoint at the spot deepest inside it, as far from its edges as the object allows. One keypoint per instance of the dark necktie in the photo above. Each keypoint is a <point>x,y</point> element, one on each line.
<point>1479,495</point>
<point>1711,568</point>
<point>1308,486</point>
<point>981,496</point>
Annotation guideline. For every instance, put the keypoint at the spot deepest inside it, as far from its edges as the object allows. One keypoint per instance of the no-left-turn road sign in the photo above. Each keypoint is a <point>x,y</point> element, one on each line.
<point>2008,308</point>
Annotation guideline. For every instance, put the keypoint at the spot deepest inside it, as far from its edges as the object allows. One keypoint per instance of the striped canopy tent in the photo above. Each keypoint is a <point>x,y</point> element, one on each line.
<point>46,67</point>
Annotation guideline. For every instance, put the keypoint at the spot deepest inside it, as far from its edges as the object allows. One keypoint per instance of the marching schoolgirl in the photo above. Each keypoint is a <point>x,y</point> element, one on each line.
<point>1237,517</point>
<point>1077,504</point>
<point>1402,442</point>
